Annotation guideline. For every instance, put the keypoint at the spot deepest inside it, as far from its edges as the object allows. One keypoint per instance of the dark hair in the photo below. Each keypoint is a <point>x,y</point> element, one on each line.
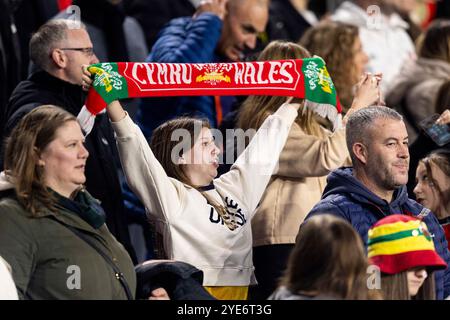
<point>435,43</point>
<point>163,143</point>
<point>441,159</point>
<point>28,139</point>
<point>328,259</point>
<point>443,97</point>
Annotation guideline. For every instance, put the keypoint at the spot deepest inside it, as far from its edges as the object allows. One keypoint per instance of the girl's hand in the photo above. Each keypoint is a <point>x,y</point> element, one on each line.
<point>368,93</point>
<point>159,294</point>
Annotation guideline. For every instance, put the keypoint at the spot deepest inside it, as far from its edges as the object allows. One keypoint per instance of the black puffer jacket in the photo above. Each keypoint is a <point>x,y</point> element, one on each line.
<point>181,280</point>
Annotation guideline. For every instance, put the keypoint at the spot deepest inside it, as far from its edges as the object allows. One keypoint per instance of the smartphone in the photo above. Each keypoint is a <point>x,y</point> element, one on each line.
<point>440,134</point>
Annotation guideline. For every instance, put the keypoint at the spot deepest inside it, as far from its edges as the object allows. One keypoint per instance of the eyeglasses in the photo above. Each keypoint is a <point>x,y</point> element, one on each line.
<point>87,51</point>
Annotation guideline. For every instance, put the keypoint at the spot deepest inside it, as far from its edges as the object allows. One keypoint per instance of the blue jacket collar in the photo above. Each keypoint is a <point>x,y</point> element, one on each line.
<point>342,181</point>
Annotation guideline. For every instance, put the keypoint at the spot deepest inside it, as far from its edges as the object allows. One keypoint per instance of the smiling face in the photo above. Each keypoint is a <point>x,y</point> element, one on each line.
<point>245,19</point>
<point>415,277</point>
<point>64,160</point>
<point>200,163</point>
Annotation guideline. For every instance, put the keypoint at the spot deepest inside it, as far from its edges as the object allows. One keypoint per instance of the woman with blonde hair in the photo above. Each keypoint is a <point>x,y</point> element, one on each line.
<point>340,46</point>
<point>309,154</point>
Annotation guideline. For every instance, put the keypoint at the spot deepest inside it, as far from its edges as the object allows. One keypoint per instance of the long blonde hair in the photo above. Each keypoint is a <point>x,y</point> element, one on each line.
<point>255,109</point>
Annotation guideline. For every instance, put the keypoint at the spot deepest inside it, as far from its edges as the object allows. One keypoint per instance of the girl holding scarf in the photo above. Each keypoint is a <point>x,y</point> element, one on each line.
<point>204,221</point>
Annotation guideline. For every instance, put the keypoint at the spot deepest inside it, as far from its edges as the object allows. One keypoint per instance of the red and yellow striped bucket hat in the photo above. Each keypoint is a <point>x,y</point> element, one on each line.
<point>400,242</point>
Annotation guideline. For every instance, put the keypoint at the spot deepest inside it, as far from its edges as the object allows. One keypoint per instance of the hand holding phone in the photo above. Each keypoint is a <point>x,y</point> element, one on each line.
<point>439,133</point>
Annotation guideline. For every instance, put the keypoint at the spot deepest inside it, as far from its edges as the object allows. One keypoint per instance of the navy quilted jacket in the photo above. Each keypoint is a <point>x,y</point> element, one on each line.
<point>183,40</point>
<point>346,197</point>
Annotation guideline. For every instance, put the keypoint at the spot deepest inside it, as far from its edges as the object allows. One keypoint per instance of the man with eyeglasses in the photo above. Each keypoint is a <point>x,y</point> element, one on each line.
<point>58,49</point>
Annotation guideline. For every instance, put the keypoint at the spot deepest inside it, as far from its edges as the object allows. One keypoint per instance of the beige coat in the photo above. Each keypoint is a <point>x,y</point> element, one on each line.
<point>301,178</point>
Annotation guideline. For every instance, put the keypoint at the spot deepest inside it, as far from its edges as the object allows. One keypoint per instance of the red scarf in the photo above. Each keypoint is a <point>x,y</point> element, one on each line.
<point>302,78</point>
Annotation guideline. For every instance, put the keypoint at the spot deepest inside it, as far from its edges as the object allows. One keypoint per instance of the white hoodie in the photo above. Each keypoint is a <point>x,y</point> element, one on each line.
<point>8,289</point>
<point>384,39</point>
<point>193,231</point>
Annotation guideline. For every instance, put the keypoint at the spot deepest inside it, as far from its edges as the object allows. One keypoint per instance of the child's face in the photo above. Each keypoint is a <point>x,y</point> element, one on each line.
<point>202,160</point>
<point>416,277</point>
<point>426,192</point>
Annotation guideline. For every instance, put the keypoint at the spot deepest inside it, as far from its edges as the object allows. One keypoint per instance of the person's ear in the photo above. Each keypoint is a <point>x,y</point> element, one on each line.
<point>59,58</point>
<point>40,161</point>
<point>360,151</point>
